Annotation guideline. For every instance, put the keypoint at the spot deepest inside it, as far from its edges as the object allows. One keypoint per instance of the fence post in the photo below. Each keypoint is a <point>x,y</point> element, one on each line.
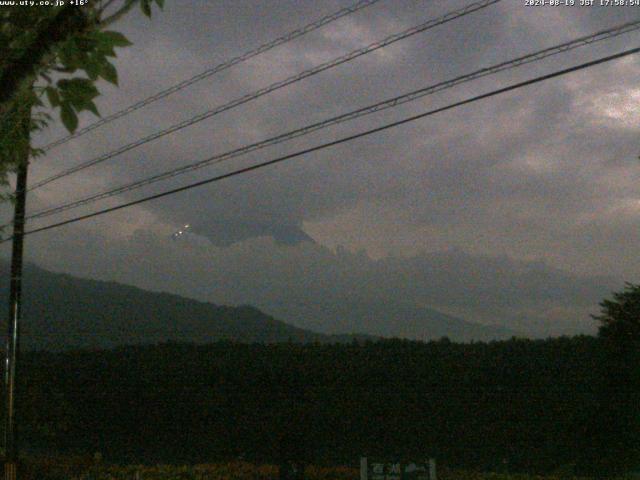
<point>432,469</point>
<point>363,468</point>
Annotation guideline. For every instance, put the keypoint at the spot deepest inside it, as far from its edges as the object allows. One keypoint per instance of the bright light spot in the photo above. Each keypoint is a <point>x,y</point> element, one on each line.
<point>179,233</point>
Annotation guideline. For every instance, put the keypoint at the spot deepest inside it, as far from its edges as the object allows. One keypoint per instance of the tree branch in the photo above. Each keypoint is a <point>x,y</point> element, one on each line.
<point>104,7</point>
<point>69,21</point>
<point>128,5</point>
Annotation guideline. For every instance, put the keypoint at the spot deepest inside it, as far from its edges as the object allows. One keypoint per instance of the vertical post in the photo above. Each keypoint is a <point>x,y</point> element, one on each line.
<point>15,312</point>
<point>363,468</point>
<point>432,469</point>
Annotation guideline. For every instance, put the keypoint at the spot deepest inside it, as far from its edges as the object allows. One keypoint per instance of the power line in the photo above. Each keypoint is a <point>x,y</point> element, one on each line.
<point>471,8</point>
<point>216,69</point>
<point>377,107</point>
<point>339,141</point>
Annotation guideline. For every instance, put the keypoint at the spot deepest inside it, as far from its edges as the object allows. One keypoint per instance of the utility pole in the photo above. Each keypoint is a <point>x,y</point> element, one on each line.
<point>15,306</point>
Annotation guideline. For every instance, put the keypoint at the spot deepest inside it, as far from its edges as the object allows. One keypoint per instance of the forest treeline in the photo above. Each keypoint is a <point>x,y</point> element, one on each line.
<point>521,405</point>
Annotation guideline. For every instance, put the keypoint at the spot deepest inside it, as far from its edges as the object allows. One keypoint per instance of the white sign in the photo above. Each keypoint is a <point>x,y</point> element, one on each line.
<point>381,470</point>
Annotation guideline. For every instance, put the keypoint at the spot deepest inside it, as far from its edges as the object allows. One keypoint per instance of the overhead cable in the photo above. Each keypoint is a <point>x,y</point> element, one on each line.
<point>214,70</point>
<point>323,146</point>
<point>376,107</point>
<point>448,17</point>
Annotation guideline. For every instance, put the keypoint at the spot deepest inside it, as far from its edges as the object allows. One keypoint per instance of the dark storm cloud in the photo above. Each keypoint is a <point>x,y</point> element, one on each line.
<point>547,173</point>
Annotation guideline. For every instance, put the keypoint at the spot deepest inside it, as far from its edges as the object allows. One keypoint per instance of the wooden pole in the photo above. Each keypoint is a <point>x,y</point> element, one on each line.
<point>15,308</point>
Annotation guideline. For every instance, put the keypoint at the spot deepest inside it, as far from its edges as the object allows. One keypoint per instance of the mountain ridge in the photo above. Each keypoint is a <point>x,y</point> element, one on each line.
<point>63,311</point>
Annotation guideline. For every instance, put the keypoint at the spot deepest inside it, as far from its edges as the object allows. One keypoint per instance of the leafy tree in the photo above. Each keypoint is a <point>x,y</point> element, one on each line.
<point>617,419</point>
<point>620,318</point>
<point>58,53</point>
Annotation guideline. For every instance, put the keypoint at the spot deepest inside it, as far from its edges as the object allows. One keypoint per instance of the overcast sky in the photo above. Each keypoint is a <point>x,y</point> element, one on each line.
<point>521,210</point>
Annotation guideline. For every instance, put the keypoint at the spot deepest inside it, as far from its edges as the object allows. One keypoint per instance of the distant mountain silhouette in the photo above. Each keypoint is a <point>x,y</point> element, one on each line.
<point>385,319</point>
<point>62,311</point>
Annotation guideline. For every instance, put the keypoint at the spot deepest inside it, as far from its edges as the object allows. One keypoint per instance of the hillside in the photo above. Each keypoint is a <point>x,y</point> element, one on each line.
<point>391,320</point>
<point>63,311</point>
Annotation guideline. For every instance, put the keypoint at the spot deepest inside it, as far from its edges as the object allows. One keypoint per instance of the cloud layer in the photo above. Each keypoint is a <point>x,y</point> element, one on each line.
<point>547,174</point>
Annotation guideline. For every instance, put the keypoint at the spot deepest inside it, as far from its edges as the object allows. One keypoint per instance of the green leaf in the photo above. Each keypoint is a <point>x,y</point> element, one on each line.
<point>76,95</point>
<point>78,89</point>
<point>37,102</point>
<point>64,70</point>
<point>86,43</point>
<point>115,39</point>
<point>107,50</point>
<point>145,5</point>
<point>70,55</point>
<point>109,73</point>
<point>92,108</point>
<point>36,152</point>
<point>93,68</point>
<point>69,118</point>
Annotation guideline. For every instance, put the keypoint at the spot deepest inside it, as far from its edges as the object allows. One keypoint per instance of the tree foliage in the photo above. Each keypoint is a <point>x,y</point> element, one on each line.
<point>469,405</point>
<point>620,317</point>
<point>617,420</point>
<point>57,54</point>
